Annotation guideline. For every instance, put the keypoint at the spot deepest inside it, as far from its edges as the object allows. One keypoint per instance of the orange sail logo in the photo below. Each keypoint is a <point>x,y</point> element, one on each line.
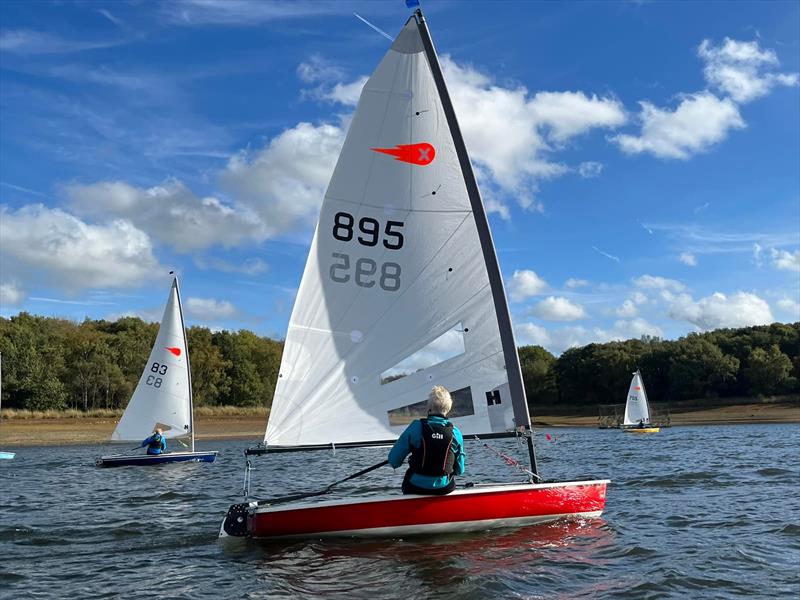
<point>420,154</point>
<point>175,351</point>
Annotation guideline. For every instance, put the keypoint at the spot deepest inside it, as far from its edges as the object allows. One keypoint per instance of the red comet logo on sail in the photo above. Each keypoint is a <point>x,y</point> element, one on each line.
<point>637,388</point>
<point>175,351</point>
<point>421,154</point>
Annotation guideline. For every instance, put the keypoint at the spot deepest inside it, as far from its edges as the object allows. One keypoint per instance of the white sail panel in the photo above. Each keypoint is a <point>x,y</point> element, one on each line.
<point>161,397</point>
<point>636,407</point>
<point>395,263</point>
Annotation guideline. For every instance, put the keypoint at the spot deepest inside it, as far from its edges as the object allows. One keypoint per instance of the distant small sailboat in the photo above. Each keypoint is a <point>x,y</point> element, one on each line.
<point>163,397</point>
<point>637,409</point>
<point>402,290</point>
<point>4,455</point>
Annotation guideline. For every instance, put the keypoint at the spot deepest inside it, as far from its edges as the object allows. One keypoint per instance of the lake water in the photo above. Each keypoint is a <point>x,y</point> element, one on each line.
<point>701,512</point>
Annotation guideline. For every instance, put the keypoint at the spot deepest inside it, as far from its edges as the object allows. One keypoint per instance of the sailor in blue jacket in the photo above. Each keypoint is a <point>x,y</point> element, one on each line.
<point>436,447</point>
<point>156,443</point>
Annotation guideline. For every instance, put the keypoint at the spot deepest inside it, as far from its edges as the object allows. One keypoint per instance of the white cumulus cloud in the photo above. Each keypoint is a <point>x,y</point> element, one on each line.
<point>171,213</point>
<point>627,309</point>
<point>573,283</point>
<point>531,334</point>
<point>590,169</point>
<point>524,284</point>
<point>633,329</point>
<point>569,114</point>
<point>739,69</point>
<point>10,295</point>
<point>249,266</point>
<point>41,243</point>
<point>559,339</point>
<point>698,122</point>
<point>786,261</point>
<point>209,309</point>
<point>284,183</point>
<point>556,340</point>
<point>658,283</point>
<point>557,308</point>
<point>741,309</point>
<point>688,259</point>
<point>511,133</point>
<point>790,307</point>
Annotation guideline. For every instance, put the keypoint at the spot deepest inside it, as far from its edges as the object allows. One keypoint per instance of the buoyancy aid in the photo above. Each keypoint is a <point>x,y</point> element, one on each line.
<point>155,443</point>
<point>435,455</point>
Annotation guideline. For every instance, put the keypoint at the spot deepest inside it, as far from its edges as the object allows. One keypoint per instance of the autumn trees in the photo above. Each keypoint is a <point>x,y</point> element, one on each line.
<point>51,363</point>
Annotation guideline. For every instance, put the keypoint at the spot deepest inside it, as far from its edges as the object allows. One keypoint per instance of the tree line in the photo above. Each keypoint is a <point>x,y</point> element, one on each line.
<point>54,364</point>
<point>724,363</point>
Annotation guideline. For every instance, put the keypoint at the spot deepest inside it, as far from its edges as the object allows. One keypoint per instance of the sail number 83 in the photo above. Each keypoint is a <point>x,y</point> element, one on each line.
<point>158,369</point>
<point>365,272</point>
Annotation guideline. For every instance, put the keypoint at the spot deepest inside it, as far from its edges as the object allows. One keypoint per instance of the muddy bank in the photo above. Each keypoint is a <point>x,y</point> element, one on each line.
<point>29,432</point>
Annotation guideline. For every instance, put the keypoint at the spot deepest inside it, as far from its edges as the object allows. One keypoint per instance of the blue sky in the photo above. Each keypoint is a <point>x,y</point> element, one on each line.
<point>641,160</point>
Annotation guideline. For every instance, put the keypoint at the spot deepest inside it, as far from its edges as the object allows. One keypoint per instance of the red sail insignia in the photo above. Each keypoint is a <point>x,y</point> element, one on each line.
<point>175,351</point>
<point>420,154</point>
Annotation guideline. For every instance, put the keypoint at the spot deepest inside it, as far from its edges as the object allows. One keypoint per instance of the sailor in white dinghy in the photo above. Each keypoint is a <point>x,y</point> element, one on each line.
<point>436,448</point>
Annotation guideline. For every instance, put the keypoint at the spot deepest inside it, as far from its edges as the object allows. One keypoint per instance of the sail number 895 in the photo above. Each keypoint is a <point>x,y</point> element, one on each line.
<point>366,273</point>
<point>369,231</point>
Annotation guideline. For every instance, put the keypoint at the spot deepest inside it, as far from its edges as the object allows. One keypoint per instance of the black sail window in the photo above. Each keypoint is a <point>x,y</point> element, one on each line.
<point>448,345</point>
<point>462,407</point>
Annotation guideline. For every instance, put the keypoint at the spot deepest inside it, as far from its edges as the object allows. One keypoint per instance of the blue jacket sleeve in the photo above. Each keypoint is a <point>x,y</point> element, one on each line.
<point>146,441</point>
<point>163,444</point>
<point>402,447</point>
<point>461,458</point>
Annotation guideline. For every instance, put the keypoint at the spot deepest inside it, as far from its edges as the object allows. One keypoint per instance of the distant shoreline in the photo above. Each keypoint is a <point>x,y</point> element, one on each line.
<point>250,424</point>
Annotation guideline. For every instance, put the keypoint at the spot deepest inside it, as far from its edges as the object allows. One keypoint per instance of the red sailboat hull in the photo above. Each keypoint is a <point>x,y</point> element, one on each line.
<point>469,509</point>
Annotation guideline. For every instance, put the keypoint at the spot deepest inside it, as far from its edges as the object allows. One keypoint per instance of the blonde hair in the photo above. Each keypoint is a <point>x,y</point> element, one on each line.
<point>439,401</point>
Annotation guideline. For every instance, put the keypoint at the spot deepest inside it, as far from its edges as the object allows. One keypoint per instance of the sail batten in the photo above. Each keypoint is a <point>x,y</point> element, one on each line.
<point>398,271</point>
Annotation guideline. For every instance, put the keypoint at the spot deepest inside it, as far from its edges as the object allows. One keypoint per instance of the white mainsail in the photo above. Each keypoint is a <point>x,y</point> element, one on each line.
<point>163,396</point>
<point>396,272</point>
<point>636,407</point>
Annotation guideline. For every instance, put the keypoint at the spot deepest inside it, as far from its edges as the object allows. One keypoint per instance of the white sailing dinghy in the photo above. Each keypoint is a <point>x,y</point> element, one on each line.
<point>637,409</point>
<point>401,291</point>
<point>4,455</point>
<point>163,396</point>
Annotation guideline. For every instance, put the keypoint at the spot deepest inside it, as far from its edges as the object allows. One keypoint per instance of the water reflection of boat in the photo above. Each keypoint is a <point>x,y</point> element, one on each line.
<point>464,565</point>
<point>402,290</point>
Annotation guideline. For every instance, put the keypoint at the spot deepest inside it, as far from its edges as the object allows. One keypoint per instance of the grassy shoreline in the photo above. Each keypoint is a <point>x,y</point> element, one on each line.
<point>235,423</point>
<point>13,414</point>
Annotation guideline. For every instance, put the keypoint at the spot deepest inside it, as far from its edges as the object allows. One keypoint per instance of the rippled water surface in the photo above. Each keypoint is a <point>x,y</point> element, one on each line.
<point>709,512</point>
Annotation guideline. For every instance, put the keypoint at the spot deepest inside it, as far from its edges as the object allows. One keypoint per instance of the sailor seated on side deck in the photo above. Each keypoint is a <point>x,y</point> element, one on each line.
<point>156,443</point>
<point>436,447</point>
